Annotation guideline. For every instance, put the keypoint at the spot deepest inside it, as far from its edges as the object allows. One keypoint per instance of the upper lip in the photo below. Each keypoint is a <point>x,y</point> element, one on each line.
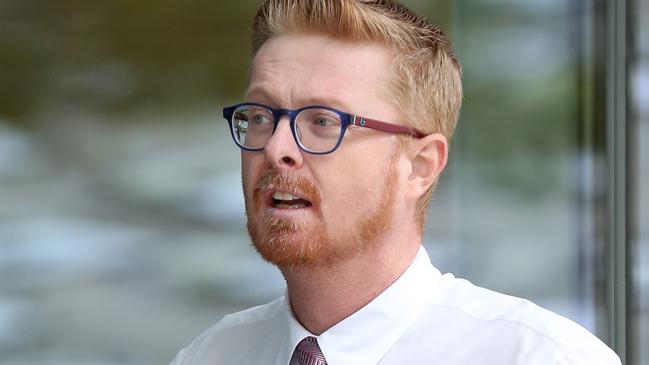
<point>278,195</point>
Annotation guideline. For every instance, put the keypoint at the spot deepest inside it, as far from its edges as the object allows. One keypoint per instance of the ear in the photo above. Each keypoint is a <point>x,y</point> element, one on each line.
<point>427,157</point>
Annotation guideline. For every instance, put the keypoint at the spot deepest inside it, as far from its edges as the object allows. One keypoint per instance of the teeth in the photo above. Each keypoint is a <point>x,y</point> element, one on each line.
<point>284,196</point>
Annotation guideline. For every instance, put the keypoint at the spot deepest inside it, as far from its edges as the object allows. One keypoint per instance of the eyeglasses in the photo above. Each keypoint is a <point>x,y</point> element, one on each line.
<point>316,129</point>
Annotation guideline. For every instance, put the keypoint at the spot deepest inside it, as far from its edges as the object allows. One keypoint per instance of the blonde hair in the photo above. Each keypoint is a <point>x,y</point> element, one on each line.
<point>425,74</point>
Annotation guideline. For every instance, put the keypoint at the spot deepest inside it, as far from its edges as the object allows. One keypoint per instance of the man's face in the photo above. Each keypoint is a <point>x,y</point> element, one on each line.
<point>306,209</point>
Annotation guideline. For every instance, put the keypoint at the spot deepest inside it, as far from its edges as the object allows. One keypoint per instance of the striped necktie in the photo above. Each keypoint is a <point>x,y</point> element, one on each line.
<point>308,352</point>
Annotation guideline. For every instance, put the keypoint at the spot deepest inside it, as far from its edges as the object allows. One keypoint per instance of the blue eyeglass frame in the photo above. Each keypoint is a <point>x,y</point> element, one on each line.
<point>346,119</point>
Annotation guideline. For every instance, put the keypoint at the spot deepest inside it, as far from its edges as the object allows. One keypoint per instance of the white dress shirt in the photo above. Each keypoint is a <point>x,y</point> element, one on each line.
<point>422,318</point>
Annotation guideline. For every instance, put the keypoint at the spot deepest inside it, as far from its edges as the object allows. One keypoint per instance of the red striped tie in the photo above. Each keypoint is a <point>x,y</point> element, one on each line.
<point>308,352</point>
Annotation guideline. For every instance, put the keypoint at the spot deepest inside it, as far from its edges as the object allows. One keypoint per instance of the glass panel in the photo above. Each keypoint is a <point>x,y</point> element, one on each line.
<point>121,215</point>
<point>639,174</point>
<point>517,211</point>
<point>122,232</point>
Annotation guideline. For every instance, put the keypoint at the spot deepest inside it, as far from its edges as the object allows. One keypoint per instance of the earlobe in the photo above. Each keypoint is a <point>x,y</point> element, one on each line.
<point>428,158</point>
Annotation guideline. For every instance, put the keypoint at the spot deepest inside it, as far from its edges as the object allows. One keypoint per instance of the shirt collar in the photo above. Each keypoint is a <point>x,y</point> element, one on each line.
<point>367,335</point>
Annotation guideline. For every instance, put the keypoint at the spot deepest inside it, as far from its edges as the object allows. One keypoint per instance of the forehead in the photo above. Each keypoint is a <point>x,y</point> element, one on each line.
<point>295,70</point>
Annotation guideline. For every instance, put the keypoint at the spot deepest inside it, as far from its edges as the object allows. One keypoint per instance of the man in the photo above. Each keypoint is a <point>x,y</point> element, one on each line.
<point>344,132</point>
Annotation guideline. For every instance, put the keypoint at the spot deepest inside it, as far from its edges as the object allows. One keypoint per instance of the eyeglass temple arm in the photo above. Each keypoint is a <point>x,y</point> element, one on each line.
<point>385,127</point>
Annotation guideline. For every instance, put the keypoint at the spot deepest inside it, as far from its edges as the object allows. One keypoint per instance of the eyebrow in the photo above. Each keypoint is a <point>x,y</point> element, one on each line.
<point>260,92</point>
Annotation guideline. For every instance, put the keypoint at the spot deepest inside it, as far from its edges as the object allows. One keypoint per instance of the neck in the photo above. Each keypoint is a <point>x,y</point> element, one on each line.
<point>323,296</point>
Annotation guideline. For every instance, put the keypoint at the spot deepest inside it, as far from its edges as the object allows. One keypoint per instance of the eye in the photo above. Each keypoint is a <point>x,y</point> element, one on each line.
<point>260,119</point>
<point>323,121</point>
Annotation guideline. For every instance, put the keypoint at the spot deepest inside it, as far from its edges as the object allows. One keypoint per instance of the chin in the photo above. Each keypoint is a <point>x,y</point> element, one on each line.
<point>282,243</point>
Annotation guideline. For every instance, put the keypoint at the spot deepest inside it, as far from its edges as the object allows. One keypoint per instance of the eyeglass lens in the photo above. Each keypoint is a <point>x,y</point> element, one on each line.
<point>316,129</point>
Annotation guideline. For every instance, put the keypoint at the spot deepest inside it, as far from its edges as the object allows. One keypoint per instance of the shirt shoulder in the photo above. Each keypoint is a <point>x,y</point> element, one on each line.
<point>517,329</point>
<point>237,338</point>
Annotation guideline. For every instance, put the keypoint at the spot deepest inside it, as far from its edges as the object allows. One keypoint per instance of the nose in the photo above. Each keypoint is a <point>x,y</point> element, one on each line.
<point>281,149</point>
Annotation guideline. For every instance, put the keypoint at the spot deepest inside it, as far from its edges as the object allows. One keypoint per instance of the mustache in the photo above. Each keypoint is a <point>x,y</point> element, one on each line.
<point>287,182</point>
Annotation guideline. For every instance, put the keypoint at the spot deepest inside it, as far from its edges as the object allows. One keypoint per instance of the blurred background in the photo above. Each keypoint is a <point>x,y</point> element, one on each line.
<point>122,234</point>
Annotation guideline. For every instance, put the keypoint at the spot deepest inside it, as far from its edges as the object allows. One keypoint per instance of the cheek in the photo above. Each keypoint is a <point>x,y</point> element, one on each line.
<point>349,189</point>
<point>249,172</point>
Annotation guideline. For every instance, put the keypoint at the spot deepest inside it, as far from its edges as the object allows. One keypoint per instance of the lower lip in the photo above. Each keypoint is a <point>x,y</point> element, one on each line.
<point>292,213</point>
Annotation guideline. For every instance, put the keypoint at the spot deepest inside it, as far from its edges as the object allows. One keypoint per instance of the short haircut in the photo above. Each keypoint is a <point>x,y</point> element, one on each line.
<point>426,75</point>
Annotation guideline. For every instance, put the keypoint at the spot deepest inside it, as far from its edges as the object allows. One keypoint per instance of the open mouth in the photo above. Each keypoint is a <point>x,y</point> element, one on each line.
<point>282,200</point>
